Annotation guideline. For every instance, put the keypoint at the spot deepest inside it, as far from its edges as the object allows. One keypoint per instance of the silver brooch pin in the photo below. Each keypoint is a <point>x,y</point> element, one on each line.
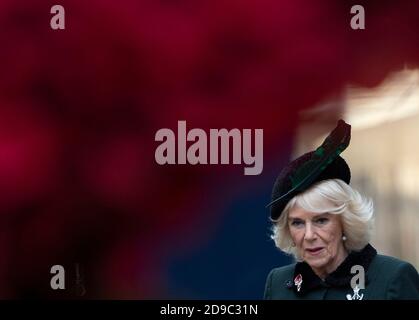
<point>356,295</point>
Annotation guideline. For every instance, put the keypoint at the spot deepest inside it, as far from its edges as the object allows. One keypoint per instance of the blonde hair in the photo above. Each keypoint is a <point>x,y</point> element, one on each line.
<point>336,197</point>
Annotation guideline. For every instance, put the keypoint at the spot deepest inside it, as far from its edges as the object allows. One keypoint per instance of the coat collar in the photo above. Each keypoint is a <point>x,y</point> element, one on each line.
<point>339,278</point>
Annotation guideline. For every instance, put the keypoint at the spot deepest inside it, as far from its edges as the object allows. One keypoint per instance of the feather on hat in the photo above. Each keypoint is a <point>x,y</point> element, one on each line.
<point>321,164</point>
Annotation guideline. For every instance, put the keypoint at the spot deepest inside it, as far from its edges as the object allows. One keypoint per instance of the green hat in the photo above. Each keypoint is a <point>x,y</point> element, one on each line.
<point>321,164</point>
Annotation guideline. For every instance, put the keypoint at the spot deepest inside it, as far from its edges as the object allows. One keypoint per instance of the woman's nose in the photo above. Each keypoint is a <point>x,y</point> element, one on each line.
<point>309,233</point>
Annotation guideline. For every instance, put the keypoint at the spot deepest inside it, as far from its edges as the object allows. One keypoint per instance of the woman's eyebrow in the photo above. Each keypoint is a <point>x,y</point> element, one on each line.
<point>294,218</point>
<point>320,215</point>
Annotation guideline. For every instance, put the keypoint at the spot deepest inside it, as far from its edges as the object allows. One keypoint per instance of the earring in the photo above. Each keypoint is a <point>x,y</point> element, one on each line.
<point>293,244</point>
<point>344,238</point>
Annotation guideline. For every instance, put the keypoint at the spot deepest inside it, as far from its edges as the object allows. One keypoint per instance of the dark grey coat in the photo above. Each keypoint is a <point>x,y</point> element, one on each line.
<point>387,278</point>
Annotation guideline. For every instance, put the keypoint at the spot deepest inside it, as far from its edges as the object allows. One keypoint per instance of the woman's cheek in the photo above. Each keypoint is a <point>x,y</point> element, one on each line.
<point>298,239</point>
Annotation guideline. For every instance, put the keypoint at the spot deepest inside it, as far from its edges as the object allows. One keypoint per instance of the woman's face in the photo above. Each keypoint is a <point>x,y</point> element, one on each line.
<point>318,239</point>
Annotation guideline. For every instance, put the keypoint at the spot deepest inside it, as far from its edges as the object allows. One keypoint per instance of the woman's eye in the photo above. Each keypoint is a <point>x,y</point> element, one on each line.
<point>322,220</point>
<point>296,223</point>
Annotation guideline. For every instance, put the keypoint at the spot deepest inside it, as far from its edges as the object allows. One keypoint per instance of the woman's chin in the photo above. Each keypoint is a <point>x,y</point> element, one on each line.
<point>315,262</point>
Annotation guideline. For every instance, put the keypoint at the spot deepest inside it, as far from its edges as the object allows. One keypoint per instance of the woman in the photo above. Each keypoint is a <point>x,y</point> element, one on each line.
<point>326,225</point>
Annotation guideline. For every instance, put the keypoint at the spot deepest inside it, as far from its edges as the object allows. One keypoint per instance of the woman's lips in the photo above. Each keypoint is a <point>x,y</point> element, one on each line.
<point>314,251</point>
